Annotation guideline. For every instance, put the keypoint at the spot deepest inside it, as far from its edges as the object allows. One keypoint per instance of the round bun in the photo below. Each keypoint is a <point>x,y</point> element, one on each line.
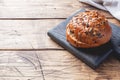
<point>88,29</point>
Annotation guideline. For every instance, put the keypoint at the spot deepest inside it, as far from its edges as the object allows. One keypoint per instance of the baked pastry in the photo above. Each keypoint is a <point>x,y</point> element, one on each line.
<point>88,29</point>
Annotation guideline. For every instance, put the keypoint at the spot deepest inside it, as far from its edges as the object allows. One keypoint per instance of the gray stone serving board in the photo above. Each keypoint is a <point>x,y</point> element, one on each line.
<point>93,57</point>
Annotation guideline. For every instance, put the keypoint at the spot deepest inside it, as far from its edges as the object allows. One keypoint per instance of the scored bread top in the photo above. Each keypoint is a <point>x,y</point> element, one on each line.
<point>90,27</point>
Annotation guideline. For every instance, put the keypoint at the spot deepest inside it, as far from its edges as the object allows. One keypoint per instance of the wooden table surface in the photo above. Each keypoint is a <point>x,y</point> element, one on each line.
<point>27,53</point>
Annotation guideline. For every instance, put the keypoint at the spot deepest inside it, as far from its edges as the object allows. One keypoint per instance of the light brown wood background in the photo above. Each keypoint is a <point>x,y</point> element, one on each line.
<point>27,53</point>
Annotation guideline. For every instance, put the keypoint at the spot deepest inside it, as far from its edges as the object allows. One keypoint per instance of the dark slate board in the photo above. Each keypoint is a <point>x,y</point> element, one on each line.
<point>115,40</point>
<point>92,57</point>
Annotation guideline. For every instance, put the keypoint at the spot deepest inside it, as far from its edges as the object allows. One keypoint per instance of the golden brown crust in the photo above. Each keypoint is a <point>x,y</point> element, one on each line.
<point>88,29</point>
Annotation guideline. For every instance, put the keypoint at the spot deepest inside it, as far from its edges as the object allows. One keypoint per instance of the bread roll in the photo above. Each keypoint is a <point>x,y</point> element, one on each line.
<point>88,29</point>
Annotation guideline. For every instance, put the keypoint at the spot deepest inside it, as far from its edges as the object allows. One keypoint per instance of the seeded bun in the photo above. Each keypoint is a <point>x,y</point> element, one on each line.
<point>88,29</point>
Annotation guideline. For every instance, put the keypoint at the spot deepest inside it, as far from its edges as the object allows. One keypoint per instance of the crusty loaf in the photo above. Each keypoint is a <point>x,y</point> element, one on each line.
<point>88,29</point>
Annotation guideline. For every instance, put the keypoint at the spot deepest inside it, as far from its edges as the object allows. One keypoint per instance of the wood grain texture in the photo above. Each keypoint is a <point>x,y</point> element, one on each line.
<point>59,65</point>
<point>29,34</point>
<point>17,66</point>
<point>37,8</point>
<point>41,8</point>
<point>56,65</point>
